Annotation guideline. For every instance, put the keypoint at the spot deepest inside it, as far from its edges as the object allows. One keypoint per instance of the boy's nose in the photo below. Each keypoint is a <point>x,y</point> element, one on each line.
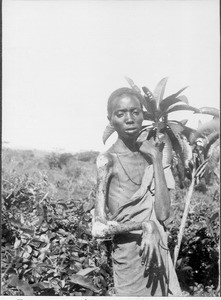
<point>129,118</point>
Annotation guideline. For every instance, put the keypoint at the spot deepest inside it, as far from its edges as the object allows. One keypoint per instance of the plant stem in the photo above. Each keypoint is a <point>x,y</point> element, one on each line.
<point>157,133</point>
<point>183,221</point>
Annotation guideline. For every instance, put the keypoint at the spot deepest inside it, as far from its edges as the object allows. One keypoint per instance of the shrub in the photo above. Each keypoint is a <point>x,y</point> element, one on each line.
<point>47,248</point>
<point>197,265</point>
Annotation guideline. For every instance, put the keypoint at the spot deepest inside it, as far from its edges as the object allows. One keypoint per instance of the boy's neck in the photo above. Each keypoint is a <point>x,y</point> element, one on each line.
<point>125,145</point>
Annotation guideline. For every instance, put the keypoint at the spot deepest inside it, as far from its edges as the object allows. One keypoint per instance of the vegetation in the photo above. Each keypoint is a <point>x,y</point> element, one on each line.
<point>175,133</point>
<point>47,248</point>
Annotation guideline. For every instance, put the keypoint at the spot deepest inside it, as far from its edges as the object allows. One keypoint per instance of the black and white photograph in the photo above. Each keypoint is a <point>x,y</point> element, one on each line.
<point>110,149</point>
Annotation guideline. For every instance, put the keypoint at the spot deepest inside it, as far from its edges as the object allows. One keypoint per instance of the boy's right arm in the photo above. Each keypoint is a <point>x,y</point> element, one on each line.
<point>104,170</point>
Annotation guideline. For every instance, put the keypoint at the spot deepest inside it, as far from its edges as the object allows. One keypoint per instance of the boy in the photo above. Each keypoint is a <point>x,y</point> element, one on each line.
<point>132,188</point>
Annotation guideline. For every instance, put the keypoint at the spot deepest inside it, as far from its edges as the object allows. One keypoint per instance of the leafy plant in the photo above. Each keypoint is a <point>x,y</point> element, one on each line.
<point>175,132</point>
<point>47,247</point>
<point>207,145</point>
<point>175,135</point>
<point>197,265</point>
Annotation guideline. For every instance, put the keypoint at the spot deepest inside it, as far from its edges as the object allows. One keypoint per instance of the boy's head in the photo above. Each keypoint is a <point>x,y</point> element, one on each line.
<point>120,93</point>
<point>125,112</point>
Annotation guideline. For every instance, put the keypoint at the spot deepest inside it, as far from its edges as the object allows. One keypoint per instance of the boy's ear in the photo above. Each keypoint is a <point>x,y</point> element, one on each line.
<point>109,119</point>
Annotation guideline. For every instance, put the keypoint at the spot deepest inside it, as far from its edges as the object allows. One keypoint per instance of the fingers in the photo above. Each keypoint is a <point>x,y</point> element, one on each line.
<point>144,254</point>
<point>149,259</point>
<point>142,246</point>
<point>141,251</point>
<point>151,144</point>
<point>150,254</point>
<point>158,255</point>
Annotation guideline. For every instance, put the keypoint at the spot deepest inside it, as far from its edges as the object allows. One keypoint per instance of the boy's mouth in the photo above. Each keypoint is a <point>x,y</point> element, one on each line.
<point>131,130</point>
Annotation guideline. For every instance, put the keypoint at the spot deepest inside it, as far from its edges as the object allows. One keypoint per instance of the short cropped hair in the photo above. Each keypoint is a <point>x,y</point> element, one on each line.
<point>124,91</point>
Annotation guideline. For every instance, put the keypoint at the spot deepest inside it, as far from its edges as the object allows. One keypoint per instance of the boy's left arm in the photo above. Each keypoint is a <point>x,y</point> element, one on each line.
<point>151,239</point>
<point>162,196</point>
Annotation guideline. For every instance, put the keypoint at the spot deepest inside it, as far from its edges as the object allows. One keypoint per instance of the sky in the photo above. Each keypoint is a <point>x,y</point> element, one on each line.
<point>62,59</point>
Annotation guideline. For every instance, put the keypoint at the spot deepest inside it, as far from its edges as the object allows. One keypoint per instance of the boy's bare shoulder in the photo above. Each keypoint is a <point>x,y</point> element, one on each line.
<point>105,159</point>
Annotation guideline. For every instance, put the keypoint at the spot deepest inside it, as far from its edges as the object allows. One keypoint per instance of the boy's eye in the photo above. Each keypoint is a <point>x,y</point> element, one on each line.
<point>136,112</point>
<point>119,114</point>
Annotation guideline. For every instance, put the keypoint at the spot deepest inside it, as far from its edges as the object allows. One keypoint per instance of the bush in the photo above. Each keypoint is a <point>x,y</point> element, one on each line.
<point>55,160</point>
<point>197,265</point>
<point>87,156</point>
<point>47,248</point>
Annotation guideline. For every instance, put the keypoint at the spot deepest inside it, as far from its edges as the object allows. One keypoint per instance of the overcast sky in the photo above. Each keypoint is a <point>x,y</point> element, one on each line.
<point>62,59</point>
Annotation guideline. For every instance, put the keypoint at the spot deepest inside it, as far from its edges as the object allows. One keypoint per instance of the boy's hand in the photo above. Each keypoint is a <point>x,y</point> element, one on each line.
<point>150,244</point>
<point>152,148</point>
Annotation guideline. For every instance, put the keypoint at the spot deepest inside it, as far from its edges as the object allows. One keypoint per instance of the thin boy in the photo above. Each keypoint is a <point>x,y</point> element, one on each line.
<point>133,186</point>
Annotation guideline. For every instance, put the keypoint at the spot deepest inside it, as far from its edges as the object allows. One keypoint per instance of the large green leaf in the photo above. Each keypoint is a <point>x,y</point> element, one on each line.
<point>144,133</point>
<point>178,142</point>
<point>148,116</point>
<point>164,104</point>
<point>210,111</point>
<point>213,148</point>
<point>148,93</point>
<point>133,86</point>
<point>174,138</point>
<point>85,282</point>
<point>186,130</point>
<point>209,141</point>
<point>182,107</point>
<point>177,93</point>
<point>176,127</point>
<point>159,90</point>
<point>183,98</point>
<point>184,121</point>
<point>187,153</point>
<point>147,105</point>
<point>149,101</point>
<point>87,271</point>
<point>167,150</point>
<point>21,285</point>
<point>150,106</point>
<point>205,129</point>
<point>108,131</point>
<point>214,217</point>
<point>174,96</point>
<point>172,100</point>
<point>25,288</point>
<point>213,159</point>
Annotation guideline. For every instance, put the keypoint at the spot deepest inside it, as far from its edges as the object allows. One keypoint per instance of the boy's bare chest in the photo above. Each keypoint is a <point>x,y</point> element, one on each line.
<point>128,171</point>
<point>129,167</point>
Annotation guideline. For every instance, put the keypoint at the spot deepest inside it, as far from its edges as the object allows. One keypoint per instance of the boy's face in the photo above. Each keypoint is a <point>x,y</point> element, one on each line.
<point>127,116</point>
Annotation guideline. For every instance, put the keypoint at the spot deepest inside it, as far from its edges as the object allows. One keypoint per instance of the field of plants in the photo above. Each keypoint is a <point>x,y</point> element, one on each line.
<point>47,247</point>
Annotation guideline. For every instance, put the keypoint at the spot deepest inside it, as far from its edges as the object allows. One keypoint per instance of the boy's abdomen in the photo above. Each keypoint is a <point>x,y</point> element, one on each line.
<point>121,188</point>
